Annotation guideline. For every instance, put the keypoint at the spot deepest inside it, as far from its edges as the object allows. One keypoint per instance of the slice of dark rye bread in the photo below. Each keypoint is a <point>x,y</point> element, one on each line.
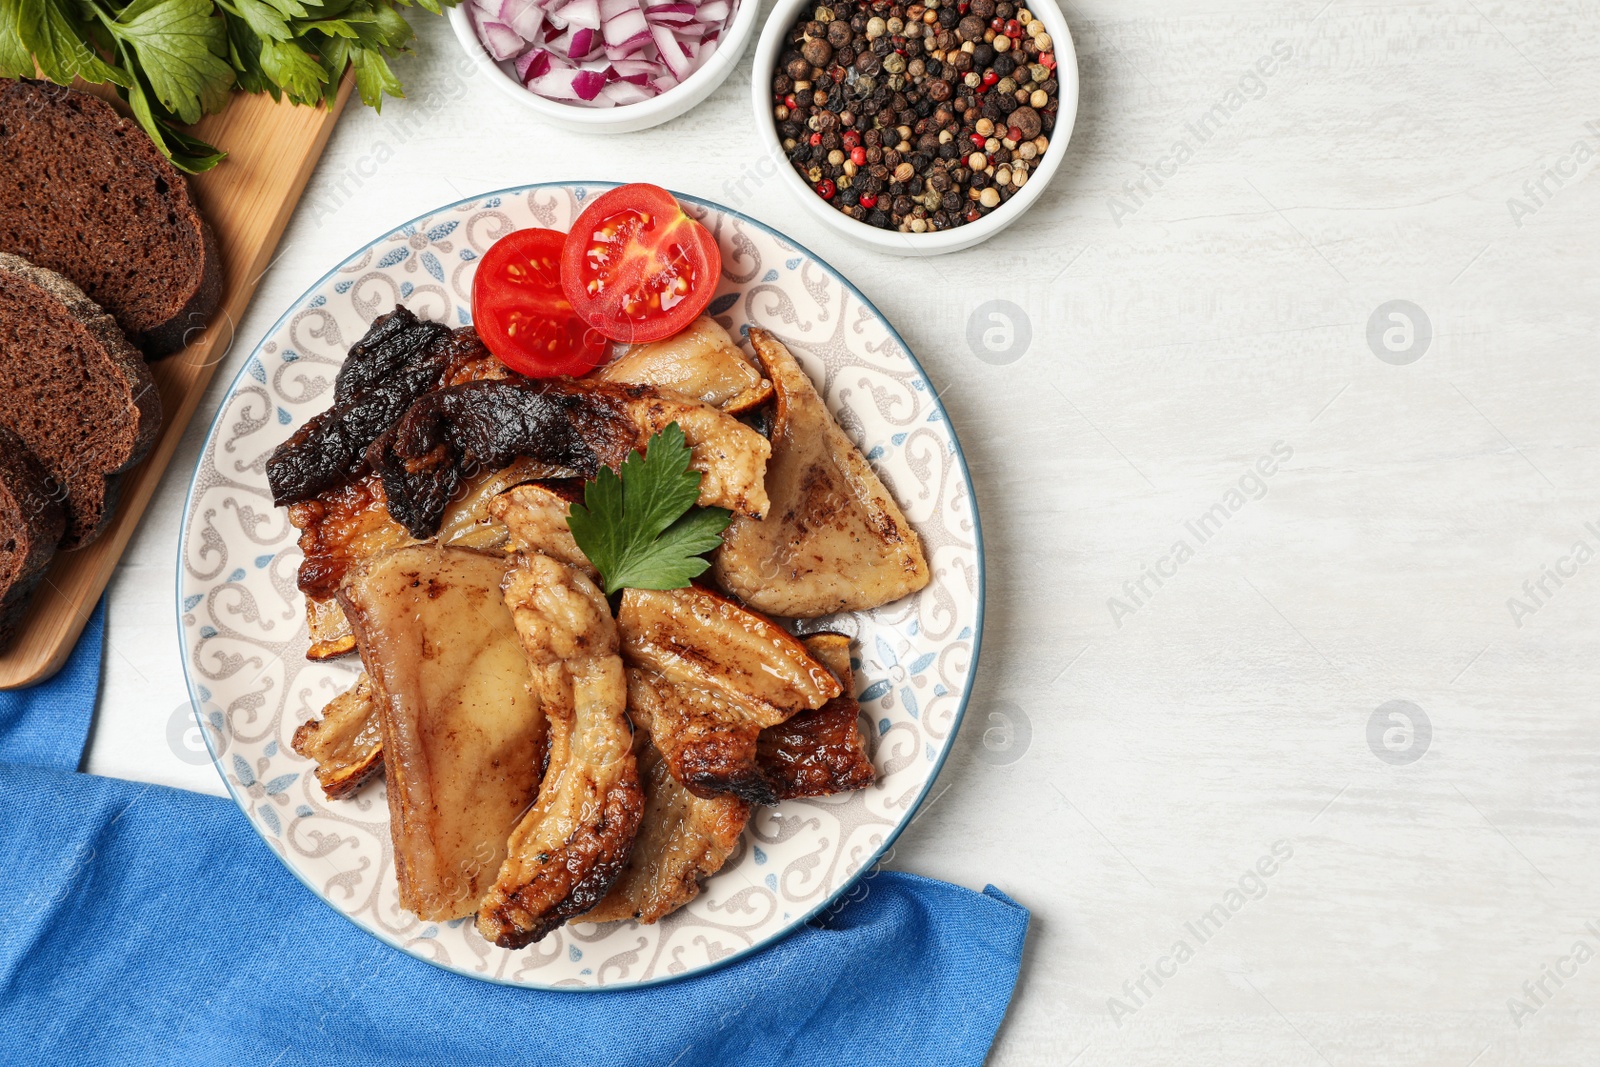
<point>74,390</point>
<point>85,192</point>
<point>32,520</point>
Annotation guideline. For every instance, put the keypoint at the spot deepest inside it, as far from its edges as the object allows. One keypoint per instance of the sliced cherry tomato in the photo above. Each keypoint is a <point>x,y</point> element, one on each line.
<point>636,268</point>
<point>522,313</point>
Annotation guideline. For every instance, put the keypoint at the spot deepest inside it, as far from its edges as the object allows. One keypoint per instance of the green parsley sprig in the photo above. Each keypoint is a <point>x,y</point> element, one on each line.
<point>642,530</point>
<point>175,60</point>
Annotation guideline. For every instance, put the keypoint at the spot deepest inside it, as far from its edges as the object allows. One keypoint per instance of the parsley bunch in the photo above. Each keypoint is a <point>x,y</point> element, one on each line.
<point>175,60</point>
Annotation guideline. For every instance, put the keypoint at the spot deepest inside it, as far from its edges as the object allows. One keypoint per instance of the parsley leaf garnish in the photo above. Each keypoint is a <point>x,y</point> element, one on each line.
<point>642,530</point>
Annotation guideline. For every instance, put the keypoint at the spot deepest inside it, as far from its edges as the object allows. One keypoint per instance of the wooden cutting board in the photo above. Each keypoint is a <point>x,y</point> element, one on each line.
<point>248,197</point>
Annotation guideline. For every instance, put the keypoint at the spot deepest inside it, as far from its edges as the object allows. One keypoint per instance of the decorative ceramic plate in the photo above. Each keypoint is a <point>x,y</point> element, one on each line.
<point>244,635</point>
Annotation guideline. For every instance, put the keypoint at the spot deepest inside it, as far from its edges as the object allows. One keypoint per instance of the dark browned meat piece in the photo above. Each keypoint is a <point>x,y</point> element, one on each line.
<point>821,752</point>
<point>400,358</point>
<point>428,452</point>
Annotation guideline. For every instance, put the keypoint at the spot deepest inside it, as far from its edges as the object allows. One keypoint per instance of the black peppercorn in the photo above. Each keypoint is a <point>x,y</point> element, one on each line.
<point>797,68</point>
<point>817,51</point>
<point>1003,64</point>
<point>982,56</point>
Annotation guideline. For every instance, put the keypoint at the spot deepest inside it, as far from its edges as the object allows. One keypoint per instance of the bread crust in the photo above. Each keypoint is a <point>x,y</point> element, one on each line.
<point>32,520</point>
<point>194,297</point>
<point>141,400</point>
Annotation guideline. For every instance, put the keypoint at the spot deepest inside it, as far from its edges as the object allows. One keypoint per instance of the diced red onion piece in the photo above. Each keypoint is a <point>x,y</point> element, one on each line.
<point>621,93</point>
<point>588,83</point>
<point>673,14</point>
<point>524,16</point>
<point>627,25</point>
<point>582,43</point>
<point>532,63</point>
<point>671,52</point>
<point>637,71</point>
<point>581,13</point>
<point>500,40</point>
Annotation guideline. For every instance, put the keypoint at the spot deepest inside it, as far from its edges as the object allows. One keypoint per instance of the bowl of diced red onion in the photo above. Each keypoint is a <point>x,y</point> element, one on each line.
<point>613,65</point>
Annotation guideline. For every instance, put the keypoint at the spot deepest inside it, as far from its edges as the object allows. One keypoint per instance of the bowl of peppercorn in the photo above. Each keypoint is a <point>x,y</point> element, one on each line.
<point>916,128</point>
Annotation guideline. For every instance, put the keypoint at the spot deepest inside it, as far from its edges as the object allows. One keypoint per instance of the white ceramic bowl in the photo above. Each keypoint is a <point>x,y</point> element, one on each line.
<point>894,242</point>
<point>641,116</point>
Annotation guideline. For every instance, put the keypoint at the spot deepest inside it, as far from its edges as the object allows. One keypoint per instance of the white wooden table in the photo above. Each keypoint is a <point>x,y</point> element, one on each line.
<point>1152,747</point>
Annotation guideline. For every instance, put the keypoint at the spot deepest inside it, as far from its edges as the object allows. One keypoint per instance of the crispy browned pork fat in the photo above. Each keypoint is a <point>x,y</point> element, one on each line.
<point>463,737</point>
<point>700,361</point>
<point>400,358</point>
<point>706,677</point>
<point>572,844</point>
<point>818,753</point>
<point>834,539</point>
<point>346,742</point>
<point>682,841</point>
<point>575,426</point>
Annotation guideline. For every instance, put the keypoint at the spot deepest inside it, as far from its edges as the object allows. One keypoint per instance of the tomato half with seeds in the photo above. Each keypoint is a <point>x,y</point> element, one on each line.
<point>636,267</point>
<point>522,313</point>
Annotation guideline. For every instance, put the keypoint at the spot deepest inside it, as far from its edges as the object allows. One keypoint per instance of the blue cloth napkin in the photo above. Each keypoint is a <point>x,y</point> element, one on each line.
<point>48,725</point>
<point>147,925</point>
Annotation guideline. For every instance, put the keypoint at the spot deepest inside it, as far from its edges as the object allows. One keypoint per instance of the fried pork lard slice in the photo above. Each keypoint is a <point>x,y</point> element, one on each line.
<point>833,538</point>
<point>574,842</point>
<point>682,841</point>
<point>700,361</point>
<point>346,742</point>
<point>821,752</point>
<point>708,676</point>
<point>463,738</point>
